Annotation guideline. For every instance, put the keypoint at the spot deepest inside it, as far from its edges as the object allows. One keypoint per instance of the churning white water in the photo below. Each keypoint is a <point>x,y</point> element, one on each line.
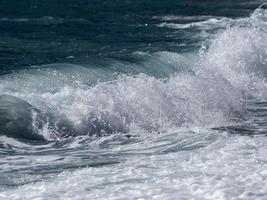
<point>138,135</point>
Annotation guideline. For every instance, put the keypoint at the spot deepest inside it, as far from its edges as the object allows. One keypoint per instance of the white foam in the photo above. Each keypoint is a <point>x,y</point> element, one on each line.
<point>188,163</point>
<point>229,167</point>
<point>208,24</point>
<point>205,94</point>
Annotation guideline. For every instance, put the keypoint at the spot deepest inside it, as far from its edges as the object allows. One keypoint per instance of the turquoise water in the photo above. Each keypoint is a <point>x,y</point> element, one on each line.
<point>133,100</point>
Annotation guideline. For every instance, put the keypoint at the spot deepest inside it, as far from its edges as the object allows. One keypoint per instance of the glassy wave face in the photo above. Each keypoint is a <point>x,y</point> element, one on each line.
<point>138,100</point>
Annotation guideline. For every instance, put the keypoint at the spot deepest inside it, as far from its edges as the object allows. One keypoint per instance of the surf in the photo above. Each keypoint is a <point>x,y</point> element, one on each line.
<point>120,96</point>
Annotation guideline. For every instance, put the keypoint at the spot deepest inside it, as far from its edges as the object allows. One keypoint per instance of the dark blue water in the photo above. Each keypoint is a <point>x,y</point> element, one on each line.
<point>133,99</point>
<point>41,32</point>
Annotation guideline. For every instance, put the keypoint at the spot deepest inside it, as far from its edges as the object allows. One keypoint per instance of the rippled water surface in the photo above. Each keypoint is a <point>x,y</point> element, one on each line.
<point>133,100</point>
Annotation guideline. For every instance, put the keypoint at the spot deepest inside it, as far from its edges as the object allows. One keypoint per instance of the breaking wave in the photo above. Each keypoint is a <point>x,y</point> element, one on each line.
<point>156,93</point>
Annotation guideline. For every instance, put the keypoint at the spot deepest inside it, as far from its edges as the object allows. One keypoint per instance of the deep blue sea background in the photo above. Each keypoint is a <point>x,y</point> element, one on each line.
<point>125,99</point>
<point>41,32</point>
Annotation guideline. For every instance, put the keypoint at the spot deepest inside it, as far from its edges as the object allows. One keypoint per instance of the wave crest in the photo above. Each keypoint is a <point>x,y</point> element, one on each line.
<point>231,70</point>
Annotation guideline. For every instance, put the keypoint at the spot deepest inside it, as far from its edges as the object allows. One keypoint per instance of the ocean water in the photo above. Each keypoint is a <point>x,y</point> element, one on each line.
<point>125,99</point>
